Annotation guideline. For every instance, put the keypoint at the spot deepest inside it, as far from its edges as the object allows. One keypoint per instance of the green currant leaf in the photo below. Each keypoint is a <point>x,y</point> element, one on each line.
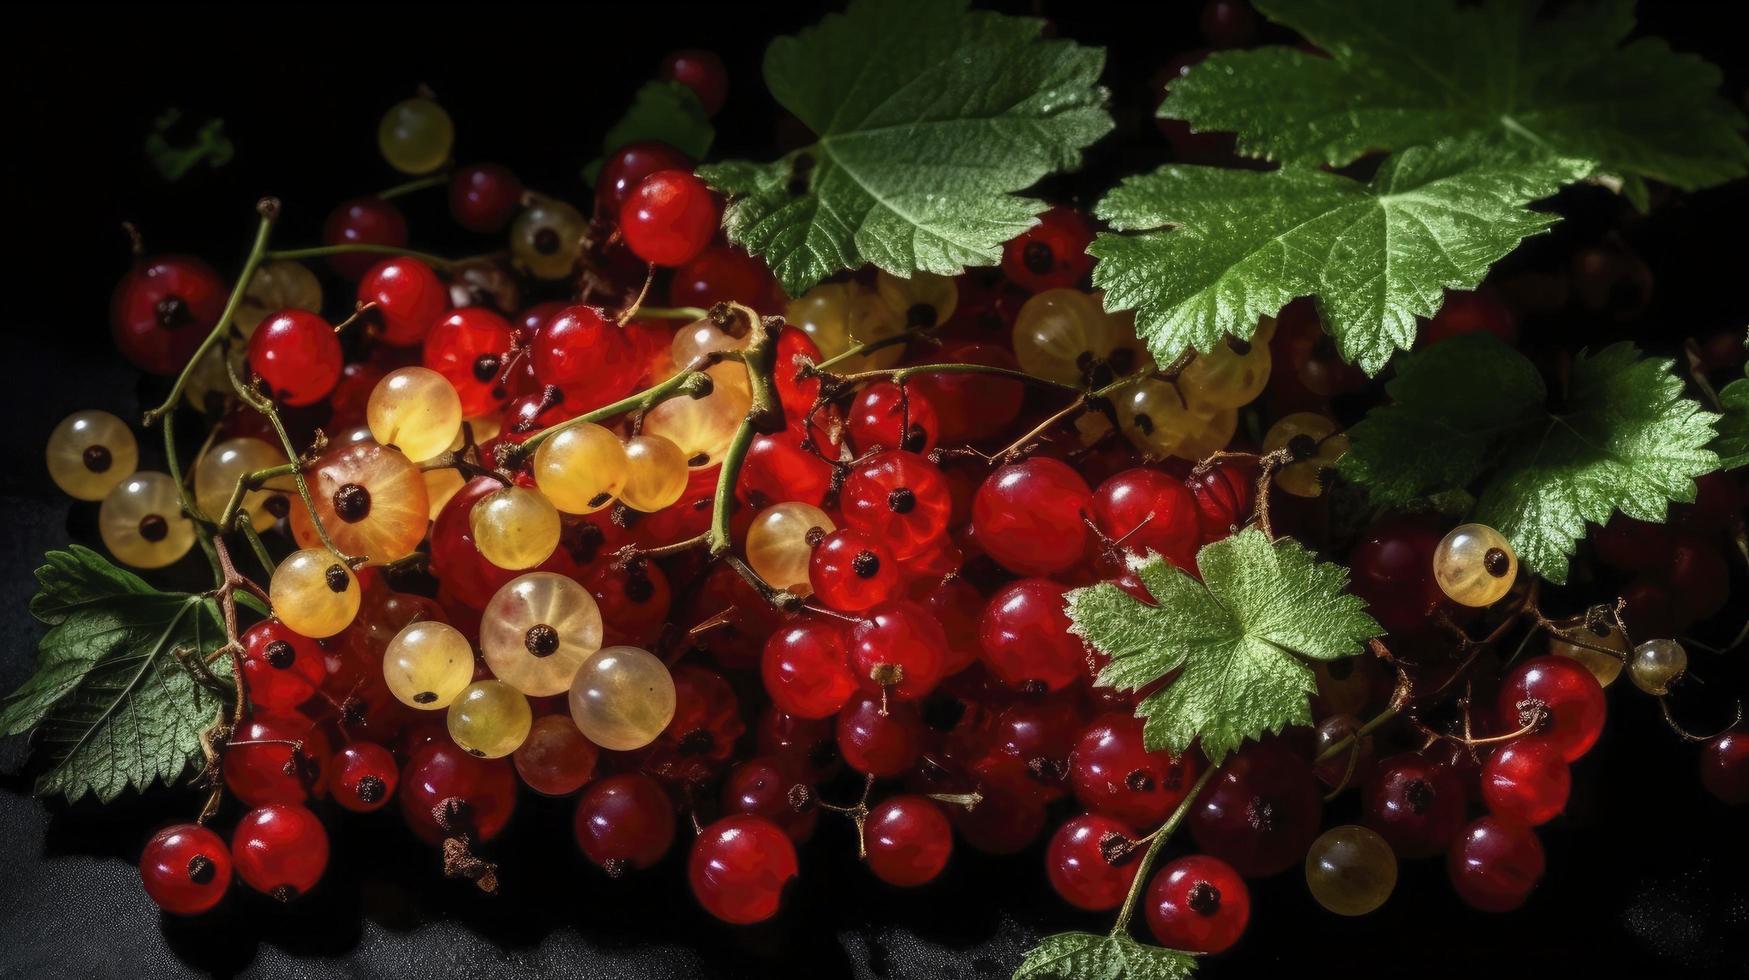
<point>110,703</point>
<point>1377,255</point>
<point>666,111</point>
<point>929,118</point>
<point>1472,413</point>
<point>1568,84</point>
<point>210,146</point>
<point>1733,443</point>
<point>1086,956</point>
<point>1238,636</point>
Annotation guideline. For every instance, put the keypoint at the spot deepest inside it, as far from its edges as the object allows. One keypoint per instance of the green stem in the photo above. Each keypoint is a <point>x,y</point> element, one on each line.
<point>323,251</point>
<point>681,383</point>
<point>1337,747</point>
<point>254,538</point>
<point>269,211</point>
<point>201,533</point>
<point>672,313</point>
<point>764,414</point>
<point>1160,836</point>
<point>419,184</point>
<point>901,375</point>
<point>250,481</point>
<point>904,337</point>
<point>265,407</point>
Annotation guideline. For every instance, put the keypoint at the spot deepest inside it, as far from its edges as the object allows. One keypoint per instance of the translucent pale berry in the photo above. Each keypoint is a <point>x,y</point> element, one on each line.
<point>555,759</point>
<point>372,502</point>
<point>415,136</point>
<point>537,630</point>
<point>622,698</point>
<point>415,410</point>
<point>1350,870</point>
<point>851,571</point>
<point>909,840</point>
<point>704,427</point>
<point>280,850</point>
<point>739,867</point>
<point>781,540</point>
<point>90,452</point>
<point>217,471</point>
<point>314,593</point>
<point>489,719</point>
<point>297,356</point>
<point>1198,904</point>
<point>547,238</point>
<point>1025,638</point>
<point>1495,864</point>
<point>668,218</point>
<point>840,316</point>
<point>1526,781</point>
<point>1657,664</point>
<point>1475,565</point>
<point>1315,443</point>
<point>364,777</point>
<point>515,527</point>
<point>655,473</point>
<point>142,523</point>
<point>280,668</point>
<point>1065,336</point>
<point>1602,633</point>
<point>186,869</point>
<point>275,286</point>
<point>1560,697</point>
<point>923,300</point>
<point>1232,374</point>
<point>428,664</point>
<point>804,668</point>
<point>625,821</point>
<point>1030,516</point>
<point>580,468</point>
<point>1091,862</point>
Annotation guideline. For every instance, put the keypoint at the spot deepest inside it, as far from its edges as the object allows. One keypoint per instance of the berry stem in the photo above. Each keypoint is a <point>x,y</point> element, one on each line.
<point>438,179</point>
<point>1159,838</point>
<point>323,251</point>
<point>672,313</point>
<point>1335,748</point>
<point>691,381</point>
<point>227,520</point>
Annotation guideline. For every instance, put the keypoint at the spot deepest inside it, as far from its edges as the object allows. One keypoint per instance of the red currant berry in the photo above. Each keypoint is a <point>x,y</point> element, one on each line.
<point>297,355</point>
<point>887,416</point>
<point>347,405</point>
<point>809,744</point>
<point>1561,696</point>
<point>281,669</point>
<point>634,599</point>
<point>973,407</point>
<point>280,850</point>
<point>1051,254</point>
<point>1025,638</point>
<point>909,841</point>
<point>1197,904</point>
<point>1495,864</point>
<point>1228,23</point>
<point>625,822</point>
<point>778,469</point>
<point>364,777</point>
<point>1114,774</point>
<point>1091,862</point>
<point>186,869</point>
<point>739,867</point>
<point>955,604</point>
<point>851,571</point>
<point>1700,581</point>
<point>701,71</point>
<point>1029,516</point>
<point>720,274</point>
<point>772,787</point>
<point>276,758</point>
<point>1147,510</point>
<point>483,791</point>
<point>1415,804</point>
<point>163,308</point>
<point>409,298</point>
<point>1261,812</point>
<point>796,388</point>
<point>363,221</point>
<point>879,742</point>
<point>1526,781</point>
<point>483,197</point>
<point>707,716</point>
<point>900,499</point>
<point>1224,494</point>
<point>1393,571</point>
<point>1006,821</point>
<point>583,352</point>
<point>805,670</point>
<point>898,646</point>
<point>668,218</point>
<point>1724,768</point>
<point>1468,312</point>
<point>627,166</point>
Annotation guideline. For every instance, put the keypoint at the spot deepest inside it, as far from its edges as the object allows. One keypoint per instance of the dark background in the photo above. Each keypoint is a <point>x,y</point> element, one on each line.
<point>1646,874</point>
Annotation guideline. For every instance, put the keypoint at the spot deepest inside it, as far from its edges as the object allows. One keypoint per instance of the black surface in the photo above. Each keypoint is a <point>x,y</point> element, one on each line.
<point>1646,876</point>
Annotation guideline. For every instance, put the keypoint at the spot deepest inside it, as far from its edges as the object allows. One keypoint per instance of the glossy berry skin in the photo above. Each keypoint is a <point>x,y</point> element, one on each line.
<point>851,571</point>
<point>668,218</point>
<point>186,869</point>
<point>256,771</point>
<point>879,744</point>
<point>1224,496</point>
<point>1051,254</point>
<point>441,770</point>
<point>900,499</point>
<point>804,668</point>
<point>280,850</point>
<point>363,221</point>
<point>1261,812</point>
<point>1198,904</point>
<point>1526,781</point>
<point>739,867</point>
<point>1392,567</point>
<point>1113,774</point>
<point>625,821</point>
<point>1724,768</point>
<point>900,646</point>
<point>586,354</point>
<point>470,348</point>
<point>1495,864</point>
<point>1148,510</point>
<point>1025,639</point>
<point>482,197</point>
<point>1028,516</point>
<point>1092,861</point>
<point>364,777</point>
<point>163,308</point>
<point>909,841</point>
<point>1571,702</point>
<point>280,668</point>
<point>778,469</point>
<point>707,716</point>
<point>297,355</point>
<point>634,601</point>
<point>701,71</point>
<point>409,298</point>
<point>884,416</point>
<point>719,274</point>
<point>1415,804</point>
<point>762,786</point>
<point>627,166</point>
<point>973,407</point>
